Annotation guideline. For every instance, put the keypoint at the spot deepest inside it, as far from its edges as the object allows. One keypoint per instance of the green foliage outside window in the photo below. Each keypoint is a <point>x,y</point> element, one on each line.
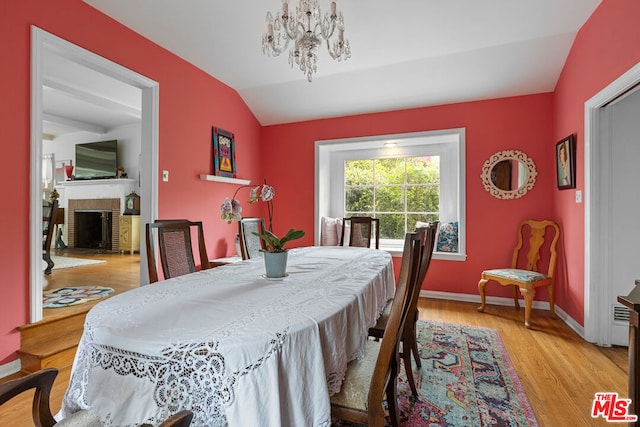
<point>399,191</point>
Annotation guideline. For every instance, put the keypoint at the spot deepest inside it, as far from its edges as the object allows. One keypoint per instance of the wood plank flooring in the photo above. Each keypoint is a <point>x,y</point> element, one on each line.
<point>121,272</point>
<point>559,371</point>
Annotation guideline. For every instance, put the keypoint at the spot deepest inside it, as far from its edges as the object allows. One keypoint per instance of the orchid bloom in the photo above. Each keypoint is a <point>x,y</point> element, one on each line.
<point>231,209</point>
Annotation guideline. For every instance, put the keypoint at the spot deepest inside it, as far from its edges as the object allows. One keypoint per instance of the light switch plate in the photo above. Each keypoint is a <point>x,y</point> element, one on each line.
<point>165,176</point>
<point>578,196</point>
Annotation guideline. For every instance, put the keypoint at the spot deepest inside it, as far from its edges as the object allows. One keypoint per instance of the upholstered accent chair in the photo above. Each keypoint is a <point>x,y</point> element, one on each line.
<point>537,240</point>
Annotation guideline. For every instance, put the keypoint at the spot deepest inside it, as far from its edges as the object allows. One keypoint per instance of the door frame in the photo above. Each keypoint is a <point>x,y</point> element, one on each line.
<point>41,42</point>
<point>598,185</point>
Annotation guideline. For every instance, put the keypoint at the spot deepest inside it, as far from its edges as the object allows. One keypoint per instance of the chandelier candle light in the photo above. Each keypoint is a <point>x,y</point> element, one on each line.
<point>308,28</point>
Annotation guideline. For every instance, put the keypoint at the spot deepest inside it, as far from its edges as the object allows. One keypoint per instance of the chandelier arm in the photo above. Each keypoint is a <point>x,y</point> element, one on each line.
<point>277,50</point>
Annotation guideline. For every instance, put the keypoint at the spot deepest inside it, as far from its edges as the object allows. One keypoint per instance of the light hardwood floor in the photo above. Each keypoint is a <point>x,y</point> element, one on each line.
<point>559,371</point>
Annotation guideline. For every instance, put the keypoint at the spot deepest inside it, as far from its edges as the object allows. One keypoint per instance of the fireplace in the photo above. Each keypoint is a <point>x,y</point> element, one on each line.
<point>94,223</point>
<point>93,229</point>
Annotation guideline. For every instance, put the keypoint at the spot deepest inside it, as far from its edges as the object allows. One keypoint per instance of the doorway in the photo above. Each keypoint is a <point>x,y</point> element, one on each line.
<point>44,43</point>
<point>611,176</point>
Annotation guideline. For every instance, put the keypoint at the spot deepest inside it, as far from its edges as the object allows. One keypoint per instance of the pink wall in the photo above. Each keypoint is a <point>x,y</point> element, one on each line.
<point>190,104</point>
<point>605,48</point>
<point>522,123</point>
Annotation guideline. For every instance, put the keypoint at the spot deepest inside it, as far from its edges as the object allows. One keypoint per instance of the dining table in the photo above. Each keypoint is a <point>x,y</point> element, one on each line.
<point>231,345</point>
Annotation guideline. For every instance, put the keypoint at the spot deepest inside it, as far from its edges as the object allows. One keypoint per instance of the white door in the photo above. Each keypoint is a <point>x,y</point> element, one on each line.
<point>622,131</point>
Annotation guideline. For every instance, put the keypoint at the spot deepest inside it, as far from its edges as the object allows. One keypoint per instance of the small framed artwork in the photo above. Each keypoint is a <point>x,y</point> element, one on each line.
<point>566,163</point>
<point>224,153</point>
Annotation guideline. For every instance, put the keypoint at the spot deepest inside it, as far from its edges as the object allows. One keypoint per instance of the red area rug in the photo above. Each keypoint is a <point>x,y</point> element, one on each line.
<point>467,380</point>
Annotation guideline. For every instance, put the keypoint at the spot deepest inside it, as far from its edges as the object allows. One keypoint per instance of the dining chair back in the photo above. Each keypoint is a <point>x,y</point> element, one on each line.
<point>174,247</point>
<point>361,229</point>
<point>537,241</point>
<point>42,383</point>
<point>250,244</point>
<point>373,379</point>
<point>427,235</point>
<point>49,211</point>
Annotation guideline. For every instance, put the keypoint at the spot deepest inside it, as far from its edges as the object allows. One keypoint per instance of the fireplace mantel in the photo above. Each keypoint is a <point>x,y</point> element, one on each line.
<point>95,189</point>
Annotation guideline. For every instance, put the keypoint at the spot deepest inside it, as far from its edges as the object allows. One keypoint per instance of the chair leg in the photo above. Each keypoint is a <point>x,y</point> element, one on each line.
<point>481,285</point>
<point>392,396</point>
<point>552,305</point>
<point>408,366</point>
<point>50,264</point>
<point>416,352</point>
<point>514,288</point>
<point>528,295</point>
<point>414,347</point>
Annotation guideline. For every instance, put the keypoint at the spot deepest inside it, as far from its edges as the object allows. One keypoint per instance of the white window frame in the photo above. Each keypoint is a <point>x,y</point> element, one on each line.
<point>449,144</point>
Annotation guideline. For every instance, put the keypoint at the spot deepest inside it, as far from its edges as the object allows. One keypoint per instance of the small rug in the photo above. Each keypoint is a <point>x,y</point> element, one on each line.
<point>73,295</point>
<point>68,262</point>
<point>467,380</point>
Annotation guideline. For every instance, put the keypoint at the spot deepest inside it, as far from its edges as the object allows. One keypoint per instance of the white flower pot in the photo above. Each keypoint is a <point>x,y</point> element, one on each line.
<point>275,264</point>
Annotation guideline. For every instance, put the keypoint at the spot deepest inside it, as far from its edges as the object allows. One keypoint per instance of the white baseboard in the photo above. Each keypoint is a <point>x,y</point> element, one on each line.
<point>538,305</point>
<point>10,368</point>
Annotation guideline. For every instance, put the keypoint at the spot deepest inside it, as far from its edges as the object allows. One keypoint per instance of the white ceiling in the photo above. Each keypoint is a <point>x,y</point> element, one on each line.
<point>405,53</point>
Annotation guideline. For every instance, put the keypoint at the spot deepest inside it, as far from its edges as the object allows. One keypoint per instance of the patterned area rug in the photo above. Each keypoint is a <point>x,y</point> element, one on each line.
<point>68,262</point>
<point>73,295</point>
<point>467,380</point>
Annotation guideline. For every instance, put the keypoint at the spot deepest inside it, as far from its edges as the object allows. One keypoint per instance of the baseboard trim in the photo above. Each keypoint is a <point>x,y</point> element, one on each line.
<point>538,305</point>
<point>10,368</point>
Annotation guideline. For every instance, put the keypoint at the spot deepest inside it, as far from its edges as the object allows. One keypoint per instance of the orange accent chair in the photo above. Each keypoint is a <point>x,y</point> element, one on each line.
<point>530,277</point>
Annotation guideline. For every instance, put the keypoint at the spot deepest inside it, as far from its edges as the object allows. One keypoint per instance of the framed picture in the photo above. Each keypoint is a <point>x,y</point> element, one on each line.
<point>224,153</point>
<point>566,163</point>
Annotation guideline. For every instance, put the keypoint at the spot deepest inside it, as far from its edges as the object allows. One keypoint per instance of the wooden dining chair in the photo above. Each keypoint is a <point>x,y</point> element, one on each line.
<point>49,211</point>
<point>371,380</point>
<point>42,383</point>
<point>409,339</point>
<point>250,244</point>
<point>174,247</point>
<point>525,273</point>
<point>361,230</point>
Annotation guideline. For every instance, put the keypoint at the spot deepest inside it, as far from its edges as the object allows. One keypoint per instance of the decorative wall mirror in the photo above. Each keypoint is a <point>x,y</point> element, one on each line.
<point>508,174</point>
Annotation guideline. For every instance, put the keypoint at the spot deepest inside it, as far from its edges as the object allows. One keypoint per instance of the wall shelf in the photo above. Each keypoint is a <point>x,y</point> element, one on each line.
<point>216,178</point>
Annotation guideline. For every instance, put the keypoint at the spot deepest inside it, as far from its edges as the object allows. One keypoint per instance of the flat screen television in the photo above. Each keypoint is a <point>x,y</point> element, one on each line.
<point>96,160</point>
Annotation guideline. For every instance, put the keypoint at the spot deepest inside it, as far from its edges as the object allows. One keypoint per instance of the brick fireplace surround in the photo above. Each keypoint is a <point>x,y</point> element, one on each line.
<point>112,205</point>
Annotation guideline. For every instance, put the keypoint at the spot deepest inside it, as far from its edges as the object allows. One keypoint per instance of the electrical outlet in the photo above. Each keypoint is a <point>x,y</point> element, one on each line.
<point>578,196</point>
<point>165,176</point>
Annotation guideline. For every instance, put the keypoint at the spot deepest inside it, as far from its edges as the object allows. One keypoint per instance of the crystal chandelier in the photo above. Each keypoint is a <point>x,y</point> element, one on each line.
<point>307,28</point>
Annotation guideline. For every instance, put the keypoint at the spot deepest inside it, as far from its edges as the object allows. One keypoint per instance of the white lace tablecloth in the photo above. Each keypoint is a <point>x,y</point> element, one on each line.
<point>230,345</point>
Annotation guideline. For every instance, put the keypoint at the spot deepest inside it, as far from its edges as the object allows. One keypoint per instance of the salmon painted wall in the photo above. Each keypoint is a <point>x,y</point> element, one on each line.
<point>190,104</point>
<point>605,48</point>
<point>522,123</point>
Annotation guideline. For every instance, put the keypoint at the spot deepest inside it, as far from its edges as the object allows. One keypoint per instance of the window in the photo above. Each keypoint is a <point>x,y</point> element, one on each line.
<point>399,191</point>
<point>401,179</point>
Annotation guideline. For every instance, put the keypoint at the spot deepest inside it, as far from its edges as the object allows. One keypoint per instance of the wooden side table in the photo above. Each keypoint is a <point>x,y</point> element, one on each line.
<point>130,233</point>
<point>632,302</point>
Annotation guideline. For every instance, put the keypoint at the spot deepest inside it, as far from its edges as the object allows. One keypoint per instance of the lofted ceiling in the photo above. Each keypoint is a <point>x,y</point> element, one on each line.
<point>405,53</point>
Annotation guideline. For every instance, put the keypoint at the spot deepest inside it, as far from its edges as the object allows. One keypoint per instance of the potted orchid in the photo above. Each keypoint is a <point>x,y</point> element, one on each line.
<point>275,254</point>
